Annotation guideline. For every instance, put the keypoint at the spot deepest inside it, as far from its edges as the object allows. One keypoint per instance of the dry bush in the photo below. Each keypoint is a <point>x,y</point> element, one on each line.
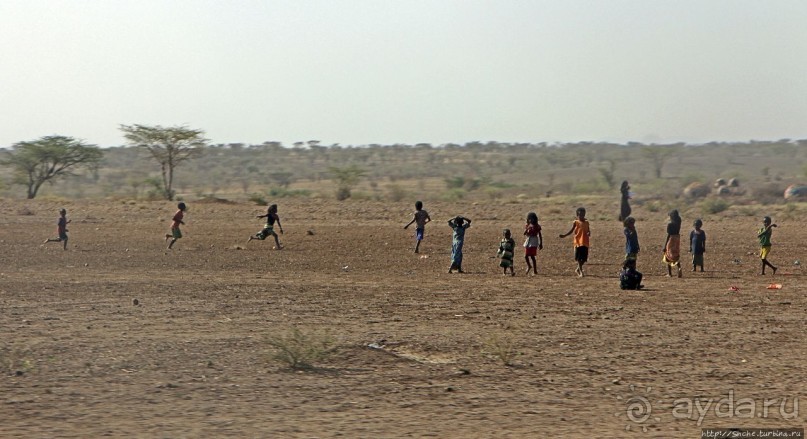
<point>714,205</point>
<point>300,350</point>
<point>769,193</point>
<point>502,346</point>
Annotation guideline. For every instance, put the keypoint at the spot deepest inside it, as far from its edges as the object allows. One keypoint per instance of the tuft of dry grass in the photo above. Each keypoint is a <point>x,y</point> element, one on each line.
<point>299,349</point>
<point>500,345</point>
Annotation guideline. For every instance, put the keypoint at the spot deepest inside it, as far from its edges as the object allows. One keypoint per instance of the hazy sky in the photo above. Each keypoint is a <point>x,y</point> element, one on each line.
<point>357,72</point>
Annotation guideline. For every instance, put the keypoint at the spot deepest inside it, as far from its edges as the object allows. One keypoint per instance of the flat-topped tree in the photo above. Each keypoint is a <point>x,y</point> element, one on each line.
<point>169,146</point>
<point>48,158</point>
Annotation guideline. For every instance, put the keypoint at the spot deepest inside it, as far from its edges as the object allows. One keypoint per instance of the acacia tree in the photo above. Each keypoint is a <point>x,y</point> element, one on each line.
<point>657,156</point>
<point>346,179</point>
<point>48,158</point>
<point>169,146</point>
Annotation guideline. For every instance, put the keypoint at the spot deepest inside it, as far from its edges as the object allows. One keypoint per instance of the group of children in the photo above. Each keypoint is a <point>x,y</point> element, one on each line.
<point>533,240</point>
<point>630,278</point>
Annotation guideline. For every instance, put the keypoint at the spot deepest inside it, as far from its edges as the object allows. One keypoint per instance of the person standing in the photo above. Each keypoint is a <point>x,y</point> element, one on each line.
<point>631,239</point>
<point>697,245</point>
<point>459,224</point>
<point>624,205</point>
<point>672,246</point>
<point>582,234</point>
<point>533,242</point>
<point>506,248</point>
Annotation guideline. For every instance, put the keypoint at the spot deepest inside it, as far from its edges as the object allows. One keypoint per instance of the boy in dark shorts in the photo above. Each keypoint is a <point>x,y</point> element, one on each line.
<point>582,232</point>
<point>61,229</point>
<point>420,218</point>
<point>269,228</point>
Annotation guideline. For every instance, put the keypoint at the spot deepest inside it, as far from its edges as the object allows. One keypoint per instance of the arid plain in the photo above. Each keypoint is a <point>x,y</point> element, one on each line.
<point>191,358</point>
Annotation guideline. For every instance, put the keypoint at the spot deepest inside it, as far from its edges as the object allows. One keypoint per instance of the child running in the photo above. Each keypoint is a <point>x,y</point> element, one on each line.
<point>459,225</point>
<point>672,246</point>
<point>697,245</point>
<point>631,239</point>
<point>420,218</point>
<point>61,229</point>
<point>764,236</point>
<point>175,223</point>
<point>533,242</point>
<point>269,228</point>
<point>582,232</point>
<point>506,248</point>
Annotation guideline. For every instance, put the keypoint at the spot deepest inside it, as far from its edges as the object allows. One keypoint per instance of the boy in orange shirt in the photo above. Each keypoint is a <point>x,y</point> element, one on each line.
<point>581,231</point>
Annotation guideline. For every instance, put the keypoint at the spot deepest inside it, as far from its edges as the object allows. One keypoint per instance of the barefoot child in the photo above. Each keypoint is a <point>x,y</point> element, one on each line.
<point>764,236</point>
<point>581,231</point>
<point>506,248</point>
<point>269,228</point>
<point>697,245</point>
<point>672,246</point>
<point>533,242</point>
<point>420,218</point>
<point>61,229</point>
<point>175,222</point>
<point>459,225</point>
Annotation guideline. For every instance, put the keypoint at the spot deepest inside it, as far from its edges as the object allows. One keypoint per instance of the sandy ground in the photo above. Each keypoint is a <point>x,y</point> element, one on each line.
<point>191,359</point>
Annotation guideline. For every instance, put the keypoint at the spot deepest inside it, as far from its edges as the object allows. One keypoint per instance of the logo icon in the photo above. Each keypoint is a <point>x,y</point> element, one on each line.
<point>639,409</point>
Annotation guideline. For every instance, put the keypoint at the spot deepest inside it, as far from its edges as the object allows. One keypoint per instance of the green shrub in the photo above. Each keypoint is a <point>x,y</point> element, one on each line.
<point>258,199</point>
<point>281,192</point>
<point>714,205</point>
<point>454,194</point>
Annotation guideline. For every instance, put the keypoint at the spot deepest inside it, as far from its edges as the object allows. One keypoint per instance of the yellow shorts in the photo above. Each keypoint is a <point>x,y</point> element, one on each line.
<point>763,252</point>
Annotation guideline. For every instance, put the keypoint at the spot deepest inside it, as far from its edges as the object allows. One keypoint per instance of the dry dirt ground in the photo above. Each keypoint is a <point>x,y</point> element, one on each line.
<point>192,358</point>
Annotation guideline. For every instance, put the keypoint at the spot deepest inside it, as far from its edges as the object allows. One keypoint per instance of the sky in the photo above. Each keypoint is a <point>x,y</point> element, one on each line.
<point>358,72</point>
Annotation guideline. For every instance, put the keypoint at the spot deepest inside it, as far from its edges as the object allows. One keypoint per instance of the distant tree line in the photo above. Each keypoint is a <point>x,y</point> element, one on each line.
<point>186,161</point>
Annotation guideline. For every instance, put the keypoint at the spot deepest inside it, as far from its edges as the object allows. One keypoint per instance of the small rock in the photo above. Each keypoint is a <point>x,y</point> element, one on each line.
<point>309,232</point>
<point>135,302</point>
